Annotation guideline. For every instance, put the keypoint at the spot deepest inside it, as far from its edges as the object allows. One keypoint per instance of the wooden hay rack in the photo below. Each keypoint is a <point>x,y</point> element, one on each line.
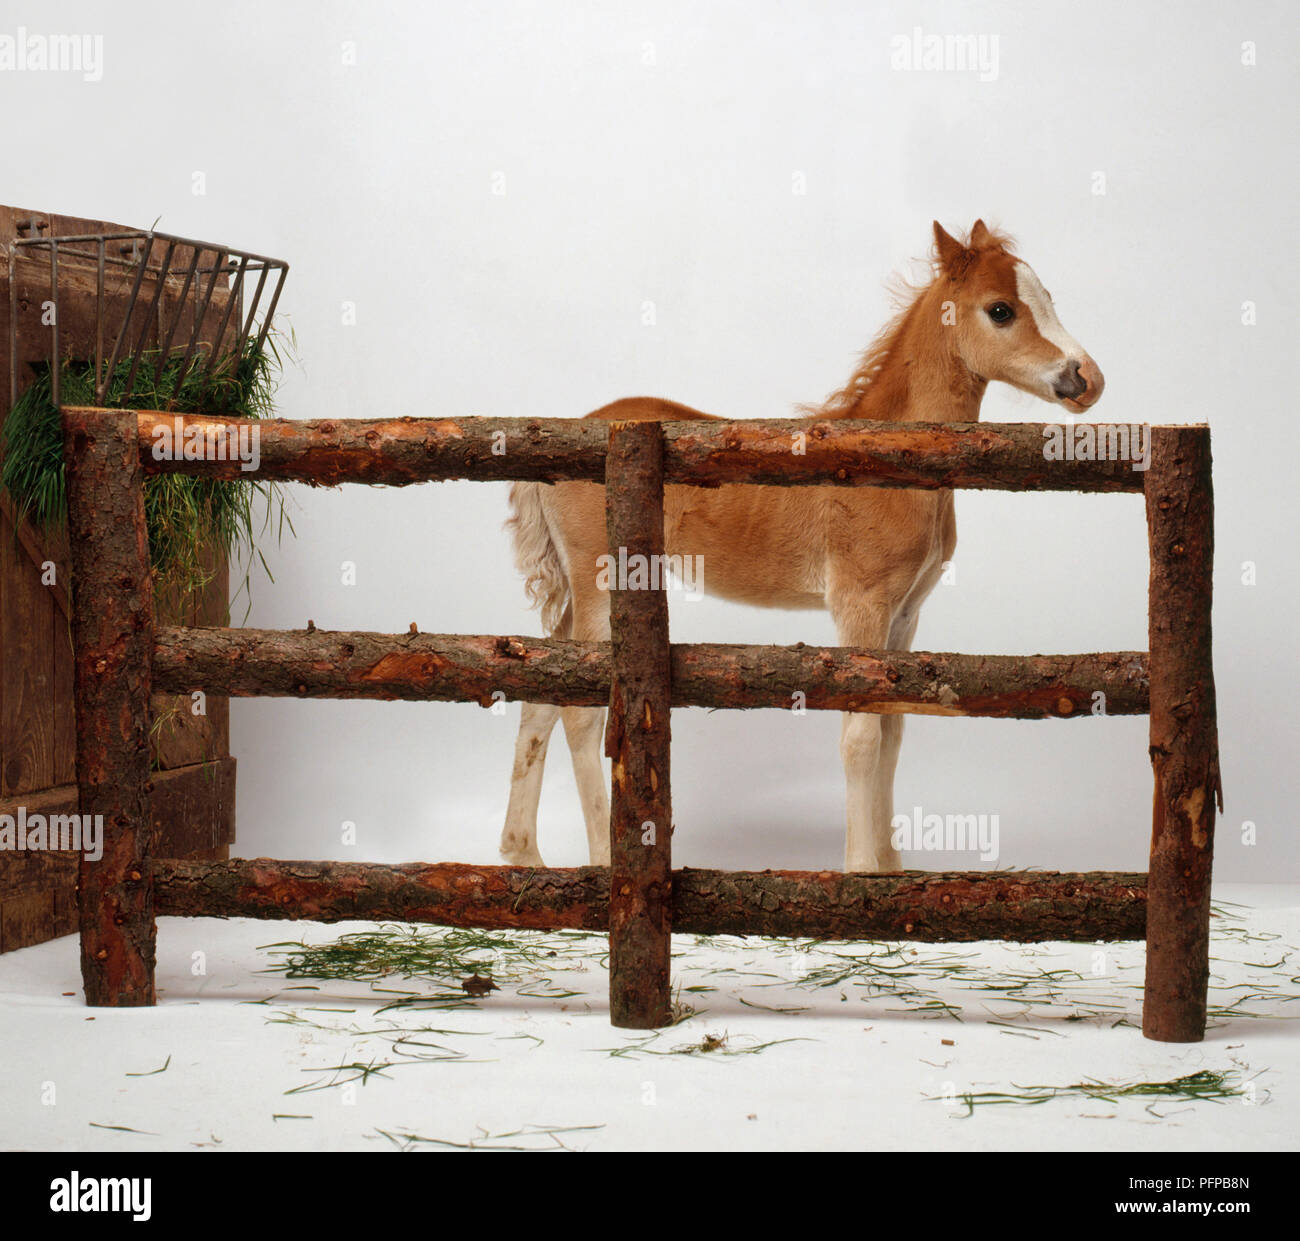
<point>113,307</point>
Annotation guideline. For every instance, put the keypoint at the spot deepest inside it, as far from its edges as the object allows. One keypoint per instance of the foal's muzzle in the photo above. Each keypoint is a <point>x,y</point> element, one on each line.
<point>1079,385</point>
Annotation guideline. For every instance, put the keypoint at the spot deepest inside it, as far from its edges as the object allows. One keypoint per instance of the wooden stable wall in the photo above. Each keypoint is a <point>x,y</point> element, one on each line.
<point>194,790</point>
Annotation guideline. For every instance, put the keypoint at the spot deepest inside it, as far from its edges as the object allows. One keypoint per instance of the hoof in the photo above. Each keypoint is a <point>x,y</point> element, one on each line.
<point>522,859</point>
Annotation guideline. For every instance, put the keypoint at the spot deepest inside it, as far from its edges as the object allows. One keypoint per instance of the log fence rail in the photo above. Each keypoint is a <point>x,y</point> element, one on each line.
<point>121,656</point>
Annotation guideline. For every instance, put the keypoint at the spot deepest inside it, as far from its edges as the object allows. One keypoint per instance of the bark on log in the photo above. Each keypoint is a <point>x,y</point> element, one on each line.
<point>456,668</point>
<point>420,667</point>
<point>112,631</point>
<point>777,452</point>
<point>638,738</point>
<point>390,451</point>
<point>982,456</point>
<point>925,906</point>
<point>1184,733</point>
<point>916,682</point>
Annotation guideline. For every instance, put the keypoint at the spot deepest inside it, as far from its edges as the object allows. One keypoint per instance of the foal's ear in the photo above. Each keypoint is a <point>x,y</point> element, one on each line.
<point>949,249</point>
<point>979,235</point>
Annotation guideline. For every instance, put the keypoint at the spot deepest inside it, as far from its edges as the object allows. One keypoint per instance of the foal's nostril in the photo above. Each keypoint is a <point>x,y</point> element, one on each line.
<point>1070,382</point>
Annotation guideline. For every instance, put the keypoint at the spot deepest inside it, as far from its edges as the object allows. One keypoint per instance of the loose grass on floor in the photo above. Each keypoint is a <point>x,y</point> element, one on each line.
<point>1205,1085</point>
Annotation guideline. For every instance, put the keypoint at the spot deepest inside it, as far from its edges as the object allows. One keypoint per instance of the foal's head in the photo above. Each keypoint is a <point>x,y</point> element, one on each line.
<point>1006,327</point>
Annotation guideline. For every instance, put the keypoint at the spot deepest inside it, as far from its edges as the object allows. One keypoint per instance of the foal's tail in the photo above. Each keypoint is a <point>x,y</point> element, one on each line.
<point>537,557</point>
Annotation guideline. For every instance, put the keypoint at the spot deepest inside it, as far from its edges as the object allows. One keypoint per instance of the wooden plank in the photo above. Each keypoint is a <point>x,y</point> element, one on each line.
<point>27,673</point>
<point>213,608</point>
<point>192,812</point>
<point>21,868</point>
<point>65,720</point>
<point>39,547</point>
<point>31,346</point>
<point>6,556</point>
<point>63,920</point>
<point>179,736</point>
<point>26,918</point>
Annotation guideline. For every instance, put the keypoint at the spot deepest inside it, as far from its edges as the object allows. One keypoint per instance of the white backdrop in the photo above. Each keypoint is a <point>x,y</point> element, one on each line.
<point>651,153</point>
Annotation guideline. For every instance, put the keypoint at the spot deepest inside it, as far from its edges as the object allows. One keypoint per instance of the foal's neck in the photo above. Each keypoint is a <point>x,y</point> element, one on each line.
<point>921,377</point>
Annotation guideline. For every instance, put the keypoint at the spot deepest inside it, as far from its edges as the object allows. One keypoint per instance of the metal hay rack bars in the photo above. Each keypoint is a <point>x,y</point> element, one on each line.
<point>182,298</point>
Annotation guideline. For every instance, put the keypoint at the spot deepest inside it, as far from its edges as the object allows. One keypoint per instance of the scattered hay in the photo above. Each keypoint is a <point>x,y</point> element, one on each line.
<point>464,964</point>
<point>495,1141</point>
<point>1205,1085</point>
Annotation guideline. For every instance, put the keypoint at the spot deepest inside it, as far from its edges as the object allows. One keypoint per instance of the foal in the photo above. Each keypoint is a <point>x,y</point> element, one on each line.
<point>870,555</point>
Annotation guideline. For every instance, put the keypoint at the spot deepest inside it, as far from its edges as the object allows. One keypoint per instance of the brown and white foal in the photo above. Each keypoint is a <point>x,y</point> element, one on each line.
<point>870,555</point>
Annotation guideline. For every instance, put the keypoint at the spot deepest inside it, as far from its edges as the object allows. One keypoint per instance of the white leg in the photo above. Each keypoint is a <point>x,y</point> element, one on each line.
<point>867,846</point>
<point>519,836</point>
<point>584,730</point>
<point>901,633</point>
<point>891,740</point>
<point>865,622</point>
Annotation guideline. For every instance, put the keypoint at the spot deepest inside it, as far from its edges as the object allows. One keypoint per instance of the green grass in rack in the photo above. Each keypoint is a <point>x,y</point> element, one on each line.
<point>186,515</point>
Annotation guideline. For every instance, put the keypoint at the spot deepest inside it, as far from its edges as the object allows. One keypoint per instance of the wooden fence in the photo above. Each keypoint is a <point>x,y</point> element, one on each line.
<point>640,899</point>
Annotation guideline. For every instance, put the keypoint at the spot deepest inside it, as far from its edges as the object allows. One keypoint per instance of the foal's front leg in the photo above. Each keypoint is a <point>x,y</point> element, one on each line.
<point>866,751</point>
<point>868,845</point>
<point>901,634</point>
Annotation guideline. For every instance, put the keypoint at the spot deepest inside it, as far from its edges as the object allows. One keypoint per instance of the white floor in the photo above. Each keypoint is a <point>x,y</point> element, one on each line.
<point>879,1049</point>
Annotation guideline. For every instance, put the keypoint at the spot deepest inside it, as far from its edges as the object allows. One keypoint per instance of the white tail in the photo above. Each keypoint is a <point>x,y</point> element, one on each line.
<point>546,578</point>
<point>537,557</point>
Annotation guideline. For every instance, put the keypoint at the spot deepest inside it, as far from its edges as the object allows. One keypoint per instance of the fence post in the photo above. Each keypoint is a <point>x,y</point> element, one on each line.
<point>112,634</point>
<point>1184,733</point>
<point>640,889</point>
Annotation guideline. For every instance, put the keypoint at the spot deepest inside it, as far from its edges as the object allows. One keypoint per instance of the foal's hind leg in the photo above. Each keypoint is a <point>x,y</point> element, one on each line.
<point>584,730</point>
<point>519,836</point>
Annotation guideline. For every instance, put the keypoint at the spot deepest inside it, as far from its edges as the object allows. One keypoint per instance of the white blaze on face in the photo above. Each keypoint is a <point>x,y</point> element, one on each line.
<point>1031,292</point>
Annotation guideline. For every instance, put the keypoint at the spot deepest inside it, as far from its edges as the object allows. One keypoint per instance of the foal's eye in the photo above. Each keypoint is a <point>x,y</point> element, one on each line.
<point>1001,312</point>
